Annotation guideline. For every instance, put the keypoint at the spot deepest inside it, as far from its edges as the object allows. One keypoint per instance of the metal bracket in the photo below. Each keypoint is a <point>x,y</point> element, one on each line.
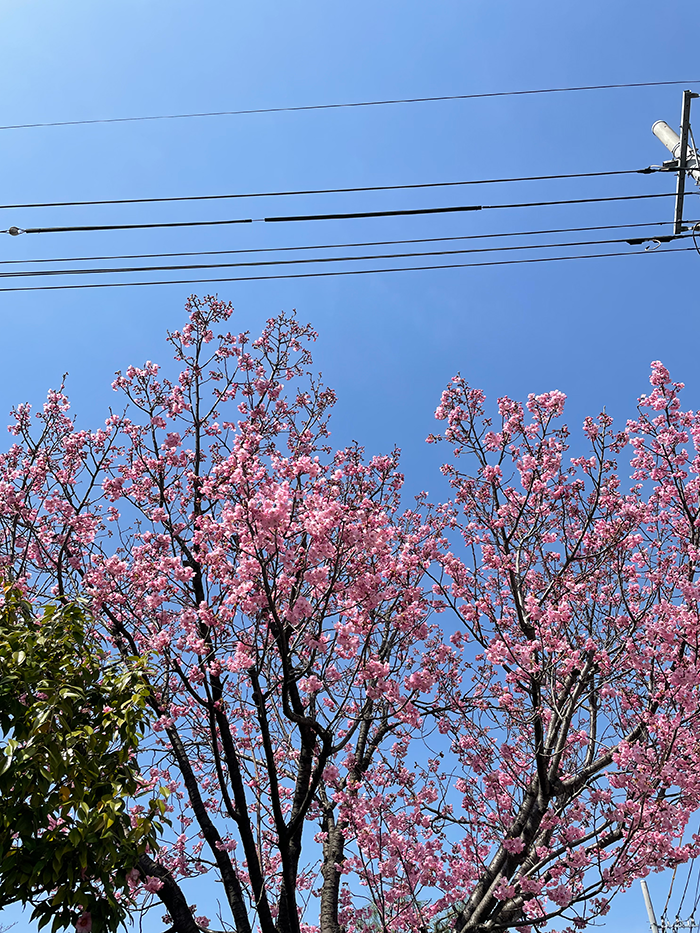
<point>682,161</point>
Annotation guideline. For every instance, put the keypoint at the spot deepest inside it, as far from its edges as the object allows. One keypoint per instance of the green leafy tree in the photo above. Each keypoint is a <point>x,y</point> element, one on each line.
<point>71,721</point>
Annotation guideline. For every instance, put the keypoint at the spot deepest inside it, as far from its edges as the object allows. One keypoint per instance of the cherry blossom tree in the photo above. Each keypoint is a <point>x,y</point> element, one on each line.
<point>473,715</point>
<point>574,744</point>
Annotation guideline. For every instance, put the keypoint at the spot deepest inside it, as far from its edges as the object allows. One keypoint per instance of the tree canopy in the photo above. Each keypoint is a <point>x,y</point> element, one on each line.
<point>480,713</point>
<point>71,722</point>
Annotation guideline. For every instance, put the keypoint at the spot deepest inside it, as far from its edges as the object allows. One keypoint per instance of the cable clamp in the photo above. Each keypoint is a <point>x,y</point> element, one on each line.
<point>637,241</point>
<point>671,166</point>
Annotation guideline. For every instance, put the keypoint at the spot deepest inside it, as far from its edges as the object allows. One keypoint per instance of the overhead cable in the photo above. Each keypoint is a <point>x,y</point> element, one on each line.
<point>316,259</point>
<point>306,191</point>
<point>362,103</point>
<point>296,218</point>
<point>477,207</point>
<point>316,275</point>
<point>285,249</point>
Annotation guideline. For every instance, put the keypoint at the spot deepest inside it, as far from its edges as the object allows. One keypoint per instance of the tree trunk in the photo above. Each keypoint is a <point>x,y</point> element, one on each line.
<point>171,895</point>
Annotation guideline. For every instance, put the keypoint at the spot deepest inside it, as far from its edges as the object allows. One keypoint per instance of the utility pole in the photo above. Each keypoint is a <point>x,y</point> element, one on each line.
<point>684,160</point>
<point>650,907</point>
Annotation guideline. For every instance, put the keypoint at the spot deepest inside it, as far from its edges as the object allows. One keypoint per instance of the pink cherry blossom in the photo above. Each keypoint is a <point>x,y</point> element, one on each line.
<point>153,885</point>
<point>84,923</point>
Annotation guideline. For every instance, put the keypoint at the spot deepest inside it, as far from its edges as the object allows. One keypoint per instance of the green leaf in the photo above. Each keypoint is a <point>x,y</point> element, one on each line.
<point>65,760</point>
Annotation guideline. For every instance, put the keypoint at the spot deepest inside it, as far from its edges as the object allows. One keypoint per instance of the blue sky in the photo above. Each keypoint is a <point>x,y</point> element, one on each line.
<point>388,343</point>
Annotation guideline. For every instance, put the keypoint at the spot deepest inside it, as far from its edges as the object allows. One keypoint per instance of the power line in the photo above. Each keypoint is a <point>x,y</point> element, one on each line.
<point>311,260</point>
<point>478,207</point>
<point>362,103</point>
<point>14,231</point>
<point>284,194</point>
<point>284,249</point>
<point>314,275</point>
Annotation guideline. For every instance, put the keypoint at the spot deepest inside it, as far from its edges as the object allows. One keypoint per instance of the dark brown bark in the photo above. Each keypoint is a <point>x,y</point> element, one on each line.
<point>333,855</point>
<point>170,894</point>
<point>229,877</point>
<point>245,829</point>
